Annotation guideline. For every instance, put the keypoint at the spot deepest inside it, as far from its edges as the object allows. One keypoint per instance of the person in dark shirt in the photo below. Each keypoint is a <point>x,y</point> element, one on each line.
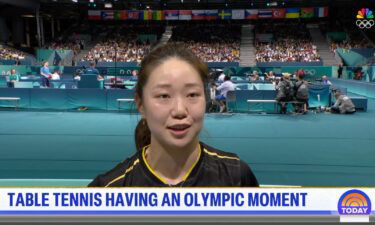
<point>170,96</point>
<point>93,71</point>
<point>339,71</point>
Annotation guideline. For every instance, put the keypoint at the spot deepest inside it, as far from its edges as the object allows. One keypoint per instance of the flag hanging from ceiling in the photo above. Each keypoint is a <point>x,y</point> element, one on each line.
<point>265,13</point>
<point>198,15</point>
<point>94,14</point>
<point>251,14</point>
<point>238,14</point>
<point>171,14</point>
<point>158,15</point>
<point>184,15</point>
<point>107,15</point>
<point>321,11</point>
<point>292,13</point>
<point>307,12</point>
<point>120,15</point>
<point>225,14</point>
<point>212,14</point>
<point>278,13</point>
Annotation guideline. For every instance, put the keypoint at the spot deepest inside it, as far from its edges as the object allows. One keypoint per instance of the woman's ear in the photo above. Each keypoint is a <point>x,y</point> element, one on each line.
<point>139,104</point>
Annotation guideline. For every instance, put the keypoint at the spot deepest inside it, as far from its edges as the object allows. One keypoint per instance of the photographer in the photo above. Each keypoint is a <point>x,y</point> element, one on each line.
<point>285,92</point>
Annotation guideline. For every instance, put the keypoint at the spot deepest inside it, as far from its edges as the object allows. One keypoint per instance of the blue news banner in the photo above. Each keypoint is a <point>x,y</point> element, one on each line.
<point>172,201</point>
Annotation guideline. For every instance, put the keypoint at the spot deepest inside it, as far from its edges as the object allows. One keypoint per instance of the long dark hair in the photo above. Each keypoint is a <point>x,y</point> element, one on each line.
<point>155,58</point>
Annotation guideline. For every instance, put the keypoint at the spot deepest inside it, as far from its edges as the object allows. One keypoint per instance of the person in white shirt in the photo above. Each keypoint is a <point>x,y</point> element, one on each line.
<point>326,81</point>
<point>221,78</point>
<point>224,88</point>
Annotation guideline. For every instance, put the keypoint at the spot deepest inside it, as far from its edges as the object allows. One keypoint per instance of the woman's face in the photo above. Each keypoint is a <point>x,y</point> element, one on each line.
<point>174,103</point>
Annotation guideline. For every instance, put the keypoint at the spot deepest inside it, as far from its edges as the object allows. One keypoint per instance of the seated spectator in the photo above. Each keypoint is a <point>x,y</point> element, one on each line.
<point>343,104</point>
<point>93,71</point>
<point>255,77</point>
<point>14,77</point>
<point>270,76</point>
<point>45,75</point>
<point>325,80</point>
<point>134,75</point>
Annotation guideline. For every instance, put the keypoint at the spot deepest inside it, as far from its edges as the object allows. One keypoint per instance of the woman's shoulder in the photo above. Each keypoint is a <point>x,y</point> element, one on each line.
<point>215,153</point>
<point>116,174</point>
<point>240,171</point>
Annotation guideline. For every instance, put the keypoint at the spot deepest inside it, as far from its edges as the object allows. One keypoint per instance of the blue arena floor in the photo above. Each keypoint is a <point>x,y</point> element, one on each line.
<point>70,148</point>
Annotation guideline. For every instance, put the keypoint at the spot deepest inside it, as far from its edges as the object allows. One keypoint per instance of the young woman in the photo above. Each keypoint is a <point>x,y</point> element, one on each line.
<point>170,95</point>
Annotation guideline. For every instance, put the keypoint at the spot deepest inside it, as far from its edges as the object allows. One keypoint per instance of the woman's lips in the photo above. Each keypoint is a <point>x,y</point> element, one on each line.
<point>179,131</point>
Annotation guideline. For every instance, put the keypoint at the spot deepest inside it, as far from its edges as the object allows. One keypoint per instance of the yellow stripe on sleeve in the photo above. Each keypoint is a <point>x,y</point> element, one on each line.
<point>123,176</point>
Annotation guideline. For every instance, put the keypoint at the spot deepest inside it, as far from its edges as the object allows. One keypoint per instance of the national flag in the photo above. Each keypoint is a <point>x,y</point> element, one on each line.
<point>133,14</point>
<point>321,12</point>
<point>278,13</point>
<point>158,15</point>
<point>184,14</point>
<point>94,14</point>
<point>198,15</point>
<point>225,14</point>
<point>292,13</point>
<point>211,14</point>
<point>265,13</point>
<point>171,14</point>
<point>307,12</point>
<point>107,15</point>
<point>120,15</point>
<point>238,14</point>
<point>251,14</point>
<point>146,14</point>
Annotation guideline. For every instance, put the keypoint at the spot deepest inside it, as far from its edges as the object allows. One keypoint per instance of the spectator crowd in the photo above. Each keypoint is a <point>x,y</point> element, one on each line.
<point>11,54</point>
<point>212,43</point>
<point>285,46</point>
<point>123,44</point>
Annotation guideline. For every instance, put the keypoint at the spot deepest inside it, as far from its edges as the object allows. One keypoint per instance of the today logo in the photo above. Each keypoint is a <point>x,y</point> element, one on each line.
<point>354,202</point>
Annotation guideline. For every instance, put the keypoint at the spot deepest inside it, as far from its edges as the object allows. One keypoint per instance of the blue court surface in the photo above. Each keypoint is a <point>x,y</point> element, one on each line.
<point>71,148</point>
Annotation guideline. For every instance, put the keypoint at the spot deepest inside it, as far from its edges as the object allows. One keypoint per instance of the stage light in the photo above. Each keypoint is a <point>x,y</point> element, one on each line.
<point>75,1</point>
<point>108,5</point>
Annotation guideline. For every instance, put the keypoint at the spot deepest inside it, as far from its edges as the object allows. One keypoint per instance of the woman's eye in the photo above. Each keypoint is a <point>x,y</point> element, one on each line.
<point>193,95</point>
<point>163,96</point>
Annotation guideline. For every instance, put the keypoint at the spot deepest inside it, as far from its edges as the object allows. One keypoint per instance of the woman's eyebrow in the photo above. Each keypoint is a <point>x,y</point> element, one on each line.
<point>163,86</point>
<point>192,85</point>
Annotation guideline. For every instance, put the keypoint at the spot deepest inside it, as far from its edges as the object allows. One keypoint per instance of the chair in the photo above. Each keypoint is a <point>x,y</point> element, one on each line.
<point>89,81</point>
<point>231,98</point>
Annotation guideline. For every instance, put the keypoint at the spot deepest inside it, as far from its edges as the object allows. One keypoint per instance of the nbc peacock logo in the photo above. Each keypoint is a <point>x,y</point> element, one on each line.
<point>365,18</point>
<point>354,202</point>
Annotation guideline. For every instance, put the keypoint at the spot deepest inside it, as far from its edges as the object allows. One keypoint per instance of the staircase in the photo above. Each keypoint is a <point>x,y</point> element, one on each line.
<point>323,47</point>
<point>166,36</point>
<point>247,49</point>
<point>86,50</point>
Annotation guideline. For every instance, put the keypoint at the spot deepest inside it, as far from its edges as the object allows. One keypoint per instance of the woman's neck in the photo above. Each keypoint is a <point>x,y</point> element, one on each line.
<point>172,165</point>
